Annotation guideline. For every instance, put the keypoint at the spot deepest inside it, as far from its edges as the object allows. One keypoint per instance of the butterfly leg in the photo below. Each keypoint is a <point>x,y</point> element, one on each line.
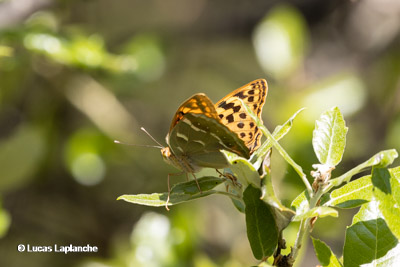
<point>198,186</point>
<point>230,177</point>
<point>169,188</point>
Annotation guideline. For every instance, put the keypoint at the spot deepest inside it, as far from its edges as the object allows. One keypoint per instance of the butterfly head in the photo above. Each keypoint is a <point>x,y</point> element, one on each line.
<point>166,153</point>
<point>183,163</point>
<point>169,157</point>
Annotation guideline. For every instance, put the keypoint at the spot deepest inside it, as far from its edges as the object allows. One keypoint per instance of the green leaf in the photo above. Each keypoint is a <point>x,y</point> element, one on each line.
<point>239,205</point>
<point>390,210</point>
<point>395,183</point>
<point>247,174</point>
<point>180,193</point>
<point>277,146</point>
<point>381,159</point>
<point>325,254</point>
<point>381,179</point>
<point>279,132</point>
<point>369,239</point>
<point>301,201</point>
<point>262,231</point>
<point>329,137</point>
<point>243,170</point>
<point>315,212</point>
<point>389,204</point>
<point>352,195</point>
<point>206,183</point>
<point>283,216</point>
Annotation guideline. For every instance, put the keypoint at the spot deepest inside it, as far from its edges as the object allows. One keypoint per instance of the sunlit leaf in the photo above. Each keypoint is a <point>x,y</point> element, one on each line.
<point>369,239</point>
<point>389,201</point>
<point>316,212</point>
<point>301,201</point>
<point>243,170</point>
<point>381,159</point>
<point>329,137</point>
<point>325,254</point>
<point>180,193</point>
<point>352,194</point>
<point>276,145</point>
<point>279,132</point>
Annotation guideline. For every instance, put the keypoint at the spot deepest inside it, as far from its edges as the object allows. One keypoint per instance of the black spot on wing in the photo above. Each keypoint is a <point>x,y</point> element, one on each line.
<point>240,95</point>
<point>223,103</point>
<point>236,108</point>
<point>226,106</point>
<point>230,118</point>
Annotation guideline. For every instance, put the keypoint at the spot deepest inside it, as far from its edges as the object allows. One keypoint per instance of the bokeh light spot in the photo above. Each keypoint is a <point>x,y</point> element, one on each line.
<point>88,169</point>
<point>332,92</point>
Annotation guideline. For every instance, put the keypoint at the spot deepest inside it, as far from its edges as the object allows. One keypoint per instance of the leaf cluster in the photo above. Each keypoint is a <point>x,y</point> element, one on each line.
<point>371,239</point>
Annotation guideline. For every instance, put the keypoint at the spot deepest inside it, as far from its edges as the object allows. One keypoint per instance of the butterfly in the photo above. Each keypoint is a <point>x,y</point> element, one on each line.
<point>200,129</point>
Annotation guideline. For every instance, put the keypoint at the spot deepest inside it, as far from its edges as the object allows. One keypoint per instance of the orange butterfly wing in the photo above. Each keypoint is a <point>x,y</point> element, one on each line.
<point>233,115</point>
<point>198,104</point>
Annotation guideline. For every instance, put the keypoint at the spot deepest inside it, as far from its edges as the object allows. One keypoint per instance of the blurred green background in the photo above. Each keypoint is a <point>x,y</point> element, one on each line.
<point>75,75</point>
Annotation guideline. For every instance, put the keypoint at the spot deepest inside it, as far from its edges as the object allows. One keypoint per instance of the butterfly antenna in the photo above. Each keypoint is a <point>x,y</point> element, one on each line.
<point>122,143</point>
<point>144,130</point>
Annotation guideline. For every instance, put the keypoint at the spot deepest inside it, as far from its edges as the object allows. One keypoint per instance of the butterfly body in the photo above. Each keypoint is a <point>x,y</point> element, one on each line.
<point>200,129</point>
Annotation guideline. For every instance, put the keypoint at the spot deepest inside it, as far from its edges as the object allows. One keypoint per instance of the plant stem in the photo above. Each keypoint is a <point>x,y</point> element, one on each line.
<point>278,147</point>
<point>286,156</point>
<point>304,228</point>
